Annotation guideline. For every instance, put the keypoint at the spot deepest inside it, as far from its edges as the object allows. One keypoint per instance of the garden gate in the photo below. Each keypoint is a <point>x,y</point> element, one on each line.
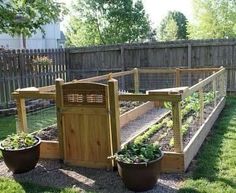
<point>84,120</point>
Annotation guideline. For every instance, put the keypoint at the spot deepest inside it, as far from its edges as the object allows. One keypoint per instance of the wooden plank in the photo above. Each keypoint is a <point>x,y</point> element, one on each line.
<point>199,70</point>
<point>59,105</point>
<point>49,150</point>
<point>21,112</point>
<point>175,90</point>
<point>105,77</point>
<point>149,97</point>
<point>136,80</point>
<point>114,115</point>
<point>177,125</point>
<point>172,162</point>
<point>195,143</point>
<point>156,70</point>
<point>34,95</point>
<point>134,113</point>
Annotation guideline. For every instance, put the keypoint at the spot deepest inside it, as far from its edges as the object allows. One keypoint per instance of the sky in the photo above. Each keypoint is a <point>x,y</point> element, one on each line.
<point>156,9</point>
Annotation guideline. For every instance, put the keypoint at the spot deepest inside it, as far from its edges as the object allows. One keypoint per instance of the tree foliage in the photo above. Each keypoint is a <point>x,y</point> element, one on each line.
<point>108,22</point>
<point>213,19</point>
<point>26,16</point>
<point>173,26</point>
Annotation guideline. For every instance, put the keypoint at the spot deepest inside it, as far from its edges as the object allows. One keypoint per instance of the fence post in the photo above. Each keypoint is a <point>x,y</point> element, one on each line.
<point>214,89</point>
<point>114,114</point>
<point>59,104</point>
<point>122,62</point>
<point>189,64</point>
<point>21,112</point>
<point>201,104</point>
<point>177,125</point>
<point>136,80</point>
<point>177,77</point>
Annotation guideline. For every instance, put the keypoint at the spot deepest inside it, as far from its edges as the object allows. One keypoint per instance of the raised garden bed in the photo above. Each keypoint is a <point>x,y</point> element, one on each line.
<point>167,129</point>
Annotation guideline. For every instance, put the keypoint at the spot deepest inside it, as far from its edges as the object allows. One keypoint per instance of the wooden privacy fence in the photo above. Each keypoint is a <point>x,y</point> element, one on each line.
<point>17,70</point>
<point>79,103</point>
<point>93,61</point>
<point>80,63</point>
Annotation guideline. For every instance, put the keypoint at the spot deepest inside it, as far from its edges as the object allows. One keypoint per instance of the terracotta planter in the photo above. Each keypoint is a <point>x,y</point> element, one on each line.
<point>141,176</point>
<point>22,160</point>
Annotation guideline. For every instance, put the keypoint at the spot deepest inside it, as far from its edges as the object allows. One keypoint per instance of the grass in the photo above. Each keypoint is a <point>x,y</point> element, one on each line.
<point>215,170</point>
<point>36,120</point>
<point>11,186</point>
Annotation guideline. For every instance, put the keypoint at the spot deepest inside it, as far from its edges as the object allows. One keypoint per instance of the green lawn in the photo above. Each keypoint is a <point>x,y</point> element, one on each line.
<point>36,120</point>
<point>11,186</point>
<point>215,170</point>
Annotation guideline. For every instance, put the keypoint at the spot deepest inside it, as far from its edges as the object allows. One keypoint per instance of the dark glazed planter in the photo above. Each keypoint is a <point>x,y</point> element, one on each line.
<point>141,176</point>
<point>22,160</point>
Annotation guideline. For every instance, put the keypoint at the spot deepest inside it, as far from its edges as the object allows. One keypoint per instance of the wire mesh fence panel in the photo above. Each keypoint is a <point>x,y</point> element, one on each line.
<point>40,114</point>
<point>156,81</point>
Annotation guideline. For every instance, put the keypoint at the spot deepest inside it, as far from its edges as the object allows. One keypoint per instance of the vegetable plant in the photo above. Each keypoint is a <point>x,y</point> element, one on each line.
<point>138,153</point>
<point>19,141</point>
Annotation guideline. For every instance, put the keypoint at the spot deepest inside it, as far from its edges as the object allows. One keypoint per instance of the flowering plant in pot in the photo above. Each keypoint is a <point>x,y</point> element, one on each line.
<point>20,152</point>
<point>139,165</point>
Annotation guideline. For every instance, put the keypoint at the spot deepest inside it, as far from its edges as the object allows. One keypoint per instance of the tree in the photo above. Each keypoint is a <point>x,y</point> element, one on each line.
<point>213,19</point>
<point>173,26</point>
<point>108,22</point>
<point>25,17</point>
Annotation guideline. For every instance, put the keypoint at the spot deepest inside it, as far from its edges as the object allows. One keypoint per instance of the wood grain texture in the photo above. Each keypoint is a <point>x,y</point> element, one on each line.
<point>21,112</point>
<point>87,131</point>
<point>49,150</point>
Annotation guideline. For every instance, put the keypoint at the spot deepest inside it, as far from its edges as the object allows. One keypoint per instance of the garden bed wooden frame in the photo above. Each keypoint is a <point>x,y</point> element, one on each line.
<point>177,161</point>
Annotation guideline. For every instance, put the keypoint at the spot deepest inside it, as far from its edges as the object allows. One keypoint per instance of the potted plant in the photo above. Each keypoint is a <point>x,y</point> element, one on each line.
<point>20,152</point>
<point>139,165</point>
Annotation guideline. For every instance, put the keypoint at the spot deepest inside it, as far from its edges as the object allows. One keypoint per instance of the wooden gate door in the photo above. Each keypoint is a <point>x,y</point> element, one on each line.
<point>85,122</point>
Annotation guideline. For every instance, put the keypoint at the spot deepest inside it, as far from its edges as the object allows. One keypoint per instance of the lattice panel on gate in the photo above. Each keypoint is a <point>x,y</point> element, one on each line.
<point>84,95</point>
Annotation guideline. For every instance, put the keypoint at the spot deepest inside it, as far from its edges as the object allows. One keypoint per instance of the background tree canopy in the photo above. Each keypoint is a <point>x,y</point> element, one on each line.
<point>213,19</point>
<point>173,26</point>
<point>108,22</point>
<point>24,17</point>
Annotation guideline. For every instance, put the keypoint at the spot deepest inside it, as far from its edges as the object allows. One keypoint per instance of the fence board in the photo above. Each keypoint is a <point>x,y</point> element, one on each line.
<point>16,71</point>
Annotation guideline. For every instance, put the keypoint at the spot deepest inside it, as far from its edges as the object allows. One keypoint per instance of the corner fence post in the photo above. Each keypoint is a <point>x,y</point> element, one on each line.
<point>21,112</point>
<point>59,104</point>
<point>136,80</point>
<point>177,125</point>
<point>114,114</point>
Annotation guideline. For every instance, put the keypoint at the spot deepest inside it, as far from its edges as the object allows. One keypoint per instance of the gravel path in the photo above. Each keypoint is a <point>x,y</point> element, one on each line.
<point>54,174</point>
<point>136,126</point>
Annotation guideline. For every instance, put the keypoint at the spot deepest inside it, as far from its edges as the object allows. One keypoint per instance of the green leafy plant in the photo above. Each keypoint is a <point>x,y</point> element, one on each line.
<point>19,141</point>
<point>42,60</point>
<point>138,153</point>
